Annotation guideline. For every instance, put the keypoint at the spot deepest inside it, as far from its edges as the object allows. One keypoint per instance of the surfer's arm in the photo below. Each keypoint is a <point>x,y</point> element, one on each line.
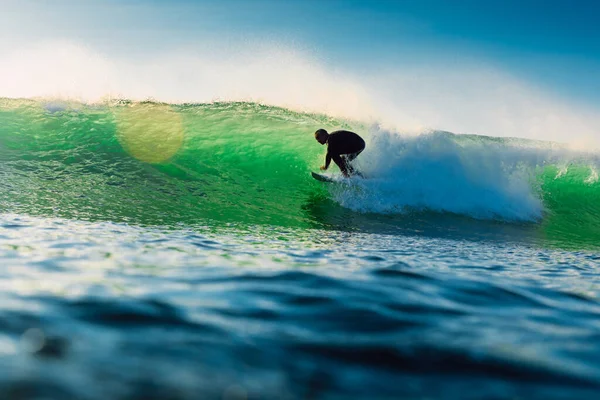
<point>327,162</point>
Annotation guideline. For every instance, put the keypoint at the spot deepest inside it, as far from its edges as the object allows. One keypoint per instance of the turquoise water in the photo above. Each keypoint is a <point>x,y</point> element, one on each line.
<point>154,250</point>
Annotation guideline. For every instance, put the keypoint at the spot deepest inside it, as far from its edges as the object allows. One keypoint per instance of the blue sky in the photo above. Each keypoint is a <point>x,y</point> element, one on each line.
<point>551,43</point>
<point>526,68</point>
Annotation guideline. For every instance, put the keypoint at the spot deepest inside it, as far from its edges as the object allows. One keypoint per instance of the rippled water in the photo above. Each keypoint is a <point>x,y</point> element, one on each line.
<point>160,251</point>
<point>109,310</point>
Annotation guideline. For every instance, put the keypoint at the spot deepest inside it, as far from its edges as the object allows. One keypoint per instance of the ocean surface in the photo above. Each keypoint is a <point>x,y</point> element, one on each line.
<point>161,251</point>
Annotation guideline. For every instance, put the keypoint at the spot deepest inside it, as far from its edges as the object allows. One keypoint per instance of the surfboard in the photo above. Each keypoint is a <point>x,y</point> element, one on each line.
<point>333,179</point>
<point>322,178</point>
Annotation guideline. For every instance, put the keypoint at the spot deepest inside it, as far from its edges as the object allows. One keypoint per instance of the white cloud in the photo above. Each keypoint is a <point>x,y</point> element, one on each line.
<point>481,100</point>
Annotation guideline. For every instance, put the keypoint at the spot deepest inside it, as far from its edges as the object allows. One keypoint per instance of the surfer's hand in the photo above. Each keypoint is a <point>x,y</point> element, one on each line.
<point>323,168</point>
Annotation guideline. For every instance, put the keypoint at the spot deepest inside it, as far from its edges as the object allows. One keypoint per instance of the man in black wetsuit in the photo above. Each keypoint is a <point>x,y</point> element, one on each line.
<point>342,147</point>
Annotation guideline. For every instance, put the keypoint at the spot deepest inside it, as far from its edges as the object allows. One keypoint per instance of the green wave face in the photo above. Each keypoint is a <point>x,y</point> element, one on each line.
<point>245,164</point>
<point>572,199</point>
<point>160,164</point>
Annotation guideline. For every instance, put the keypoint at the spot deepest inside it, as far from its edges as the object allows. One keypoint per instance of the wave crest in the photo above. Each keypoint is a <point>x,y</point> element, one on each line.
<point>481,177</point>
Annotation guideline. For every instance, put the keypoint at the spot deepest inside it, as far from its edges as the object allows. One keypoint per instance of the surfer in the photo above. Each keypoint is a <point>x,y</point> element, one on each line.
<point>342,148</point>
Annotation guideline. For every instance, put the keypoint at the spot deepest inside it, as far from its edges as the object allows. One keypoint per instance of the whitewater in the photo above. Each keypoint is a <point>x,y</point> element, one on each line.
<point>167,241</point>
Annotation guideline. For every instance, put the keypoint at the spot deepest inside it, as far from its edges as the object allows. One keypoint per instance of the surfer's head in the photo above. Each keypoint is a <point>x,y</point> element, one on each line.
<point>321,135</point>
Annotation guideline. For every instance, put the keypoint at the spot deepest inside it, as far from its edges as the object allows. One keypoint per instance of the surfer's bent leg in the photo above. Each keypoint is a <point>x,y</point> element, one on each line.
<point>352,156</point>
<point>341,162</point>
<point>348,158</point>
<point>349,168</point>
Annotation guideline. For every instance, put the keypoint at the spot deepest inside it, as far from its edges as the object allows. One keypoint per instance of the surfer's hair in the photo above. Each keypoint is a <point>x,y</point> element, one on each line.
<point>320,132</point>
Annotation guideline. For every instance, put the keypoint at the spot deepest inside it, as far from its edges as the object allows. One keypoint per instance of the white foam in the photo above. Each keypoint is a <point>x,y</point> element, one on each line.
<point>477,177</point>
<point>474,98</point>
<point>593,178</point>
<point>268,74</point>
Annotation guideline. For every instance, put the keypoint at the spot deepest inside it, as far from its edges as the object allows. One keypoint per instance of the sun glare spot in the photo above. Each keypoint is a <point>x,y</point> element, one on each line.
<point>152,133</point>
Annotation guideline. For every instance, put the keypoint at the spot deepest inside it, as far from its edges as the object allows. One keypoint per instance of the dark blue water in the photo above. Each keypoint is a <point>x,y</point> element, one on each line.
<point>111,311</point>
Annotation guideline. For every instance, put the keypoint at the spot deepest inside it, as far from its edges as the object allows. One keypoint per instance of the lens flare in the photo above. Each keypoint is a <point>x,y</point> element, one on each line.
<point>152,133</point>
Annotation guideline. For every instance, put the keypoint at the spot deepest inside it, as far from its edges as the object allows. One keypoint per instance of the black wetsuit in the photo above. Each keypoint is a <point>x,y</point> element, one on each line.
<point>343,147</point>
